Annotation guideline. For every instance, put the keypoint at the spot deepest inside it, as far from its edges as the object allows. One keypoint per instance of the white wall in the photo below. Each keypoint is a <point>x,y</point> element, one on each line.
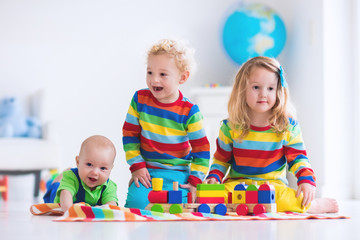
<point>90,57</point>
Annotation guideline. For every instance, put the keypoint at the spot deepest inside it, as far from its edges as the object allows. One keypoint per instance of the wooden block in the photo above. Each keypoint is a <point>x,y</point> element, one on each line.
<point>239,196</point>
<point>174,196</point>
<point>158,196</point>
<point>210,187</point>
<point>175,208</point>
<point>167,206</point>
<point>266,196</point>
<point>175,186</point>
<point>157,184</point>
<point>251,196</point>
<point>210,199</point>
<point>215,193</point>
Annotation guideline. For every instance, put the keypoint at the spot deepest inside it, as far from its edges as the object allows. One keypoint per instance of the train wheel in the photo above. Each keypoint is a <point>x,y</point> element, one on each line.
<point>220,209</point>
<point>157,208</point>
<point>175,208</point>
<point>204,208</point>
<point>242,210</point>
<point>259,209</point>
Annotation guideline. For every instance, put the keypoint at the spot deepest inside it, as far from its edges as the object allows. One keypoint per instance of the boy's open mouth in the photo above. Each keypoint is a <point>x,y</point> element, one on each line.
<point>92,179</point>
<point>157,89</point>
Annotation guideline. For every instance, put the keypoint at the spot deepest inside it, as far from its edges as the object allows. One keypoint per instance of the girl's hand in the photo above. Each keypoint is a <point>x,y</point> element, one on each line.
<point>141,175</point>
<point>192,189</point>
<point>308,191</point>
<point>211,181</point>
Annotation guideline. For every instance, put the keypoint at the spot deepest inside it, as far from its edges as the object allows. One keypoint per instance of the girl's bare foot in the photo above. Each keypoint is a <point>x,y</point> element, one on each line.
<point>323,205</point>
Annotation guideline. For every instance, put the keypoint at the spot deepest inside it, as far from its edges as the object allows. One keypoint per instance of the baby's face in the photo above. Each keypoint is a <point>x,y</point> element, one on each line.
<point>95,166</point>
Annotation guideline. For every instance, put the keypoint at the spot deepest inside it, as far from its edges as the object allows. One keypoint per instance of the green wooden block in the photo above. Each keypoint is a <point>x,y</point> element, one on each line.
<point>252,188</point>
<point>210,187</point>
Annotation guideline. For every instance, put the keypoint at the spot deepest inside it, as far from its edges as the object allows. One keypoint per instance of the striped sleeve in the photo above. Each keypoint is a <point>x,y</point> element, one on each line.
<point>131,137</point>
<point>223,155</point>
<point>200,147</point>
<point>296,157</point>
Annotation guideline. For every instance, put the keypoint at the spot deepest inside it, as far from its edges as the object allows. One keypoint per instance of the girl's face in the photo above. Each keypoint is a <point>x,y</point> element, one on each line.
<point>163,78</point>
<point>261,91</point>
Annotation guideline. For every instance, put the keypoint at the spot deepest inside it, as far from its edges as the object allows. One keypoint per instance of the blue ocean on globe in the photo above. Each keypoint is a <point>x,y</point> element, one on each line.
<point>253,30</point>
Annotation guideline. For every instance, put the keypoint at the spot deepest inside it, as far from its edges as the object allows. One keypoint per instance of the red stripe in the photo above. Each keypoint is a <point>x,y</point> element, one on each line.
<point>199,142</point>
<point>292,151</point>
<point>210,200</point>
<point>131,127</point>
<point>247,153</point>
<point>88,211</point>
<point>221,154</point>
<point>217,172</point>
<point>165,146</point>
<point>305,172</point>
<point>137,166</point>
<point>194,180</point>
<point>307,181</point>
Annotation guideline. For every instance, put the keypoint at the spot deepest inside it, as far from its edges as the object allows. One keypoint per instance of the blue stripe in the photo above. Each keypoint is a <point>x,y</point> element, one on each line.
<point>198,174</point>
<point>215,176</point>
<point>169,167</point>
<point>197,135</point>
<point>127,140</point>
<point>224,146</point>
<point>298,146</point>
<point>219,168</point>
<point>309,178</point>
<point>256,170</point>
<point>175,139</point>
<point>256,145</point>
<point>156,155</point>
<point>98,212</point>
<point>132,119</point>
<point>203,154</point>
<point>136,159</point>
<point>162,113</point>
<point>301,157</point>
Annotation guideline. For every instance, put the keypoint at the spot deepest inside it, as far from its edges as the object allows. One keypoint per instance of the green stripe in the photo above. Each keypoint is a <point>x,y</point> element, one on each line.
<point>161,121</point>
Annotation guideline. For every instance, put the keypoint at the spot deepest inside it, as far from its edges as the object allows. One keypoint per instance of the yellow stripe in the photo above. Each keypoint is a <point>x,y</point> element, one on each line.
<point>298,165</point>
<point>132,111</point>
<point>161,130</point>
<point>132,154</point>
<point>79,211</point>
<point>215,161</point>
<point>297,139</point>
<point>196,167</point>
<point>263,137</point>
<point>224,138</point>
<point>201,193</point>
<point>195,126</point>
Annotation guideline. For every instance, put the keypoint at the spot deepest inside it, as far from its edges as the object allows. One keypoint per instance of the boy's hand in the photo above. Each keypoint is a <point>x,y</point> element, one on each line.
<point>308,191</point>
<point>141,175</point>
<point>192,189</point>
<point>211,181</point>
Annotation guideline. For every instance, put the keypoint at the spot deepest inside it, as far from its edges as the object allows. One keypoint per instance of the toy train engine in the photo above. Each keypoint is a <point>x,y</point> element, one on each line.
<point>165,201</point>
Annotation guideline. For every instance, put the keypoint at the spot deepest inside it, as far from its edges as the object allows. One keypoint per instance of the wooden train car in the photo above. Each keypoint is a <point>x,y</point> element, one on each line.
<point>210,198</point>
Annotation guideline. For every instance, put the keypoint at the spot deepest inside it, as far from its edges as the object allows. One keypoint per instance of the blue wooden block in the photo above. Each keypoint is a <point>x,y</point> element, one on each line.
<point>266,196</point>
<point>204,208</point>
<point>175,196</point>
<point>220,209</point>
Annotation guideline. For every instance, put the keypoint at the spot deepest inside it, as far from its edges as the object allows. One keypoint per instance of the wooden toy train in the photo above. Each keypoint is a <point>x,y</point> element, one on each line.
<point>210,198</point>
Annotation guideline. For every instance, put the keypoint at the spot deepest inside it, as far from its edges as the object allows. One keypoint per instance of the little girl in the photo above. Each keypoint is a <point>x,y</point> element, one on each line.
<point>260,138</point>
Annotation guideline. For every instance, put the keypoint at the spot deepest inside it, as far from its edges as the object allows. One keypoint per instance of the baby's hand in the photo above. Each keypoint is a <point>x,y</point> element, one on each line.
<point>191,188</point>
<point>308,191</point>
<point>141,175</point>
<point>210,181</point>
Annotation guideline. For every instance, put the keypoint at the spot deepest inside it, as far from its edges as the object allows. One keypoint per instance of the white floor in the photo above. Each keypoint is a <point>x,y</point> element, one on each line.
<point>16,222</point>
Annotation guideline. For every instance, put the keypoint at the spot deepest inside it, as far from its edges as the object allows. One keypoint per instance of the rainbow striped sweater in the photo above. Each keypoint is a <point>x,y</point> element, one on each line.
<point>262,155</point>
<point>166,136</point>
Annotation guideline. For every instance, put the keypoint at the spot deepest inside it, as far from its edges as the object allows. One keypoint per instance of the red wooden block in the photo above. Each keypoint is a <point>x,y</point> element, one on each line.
<point>158,196</point>
<point>189,197</point>
<point>229,197</point>
<point>251,197</point>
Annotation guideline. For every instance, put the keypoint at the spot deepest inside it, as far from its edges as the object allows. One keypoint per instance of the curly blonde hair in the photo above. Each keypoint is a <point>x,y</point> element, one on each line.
<point>184,56</point>
<point>238,108</point>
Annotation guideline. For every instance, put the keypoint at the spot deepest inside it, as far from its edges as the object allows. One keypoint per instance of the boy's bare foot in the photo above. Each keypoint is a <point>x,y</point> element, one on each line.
<point>323,205</point>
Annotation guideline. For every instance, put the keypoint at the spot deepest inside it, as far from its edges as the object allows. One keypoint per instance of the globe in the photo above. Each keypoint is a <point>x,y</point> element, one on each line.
<point>253,30</point>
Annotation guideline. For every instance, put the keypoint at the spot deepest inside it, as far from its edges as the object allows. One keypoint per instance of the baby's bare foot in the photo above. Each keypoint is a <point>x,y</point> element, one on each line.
<point>324,205</point>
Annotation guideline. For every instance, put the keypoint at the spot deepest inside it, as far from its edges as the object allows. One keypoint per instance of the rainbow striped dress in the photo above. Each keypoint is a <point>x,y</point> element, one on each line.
<point>166,136</point>
<point>262,155</point>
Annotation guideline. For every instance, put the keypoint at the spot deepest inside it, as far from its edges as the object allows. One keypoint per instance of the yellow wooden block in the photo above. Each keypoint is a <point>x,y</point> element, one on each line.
<point>203,193</point>
<point>238,196</point>
<point>157,184</point>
